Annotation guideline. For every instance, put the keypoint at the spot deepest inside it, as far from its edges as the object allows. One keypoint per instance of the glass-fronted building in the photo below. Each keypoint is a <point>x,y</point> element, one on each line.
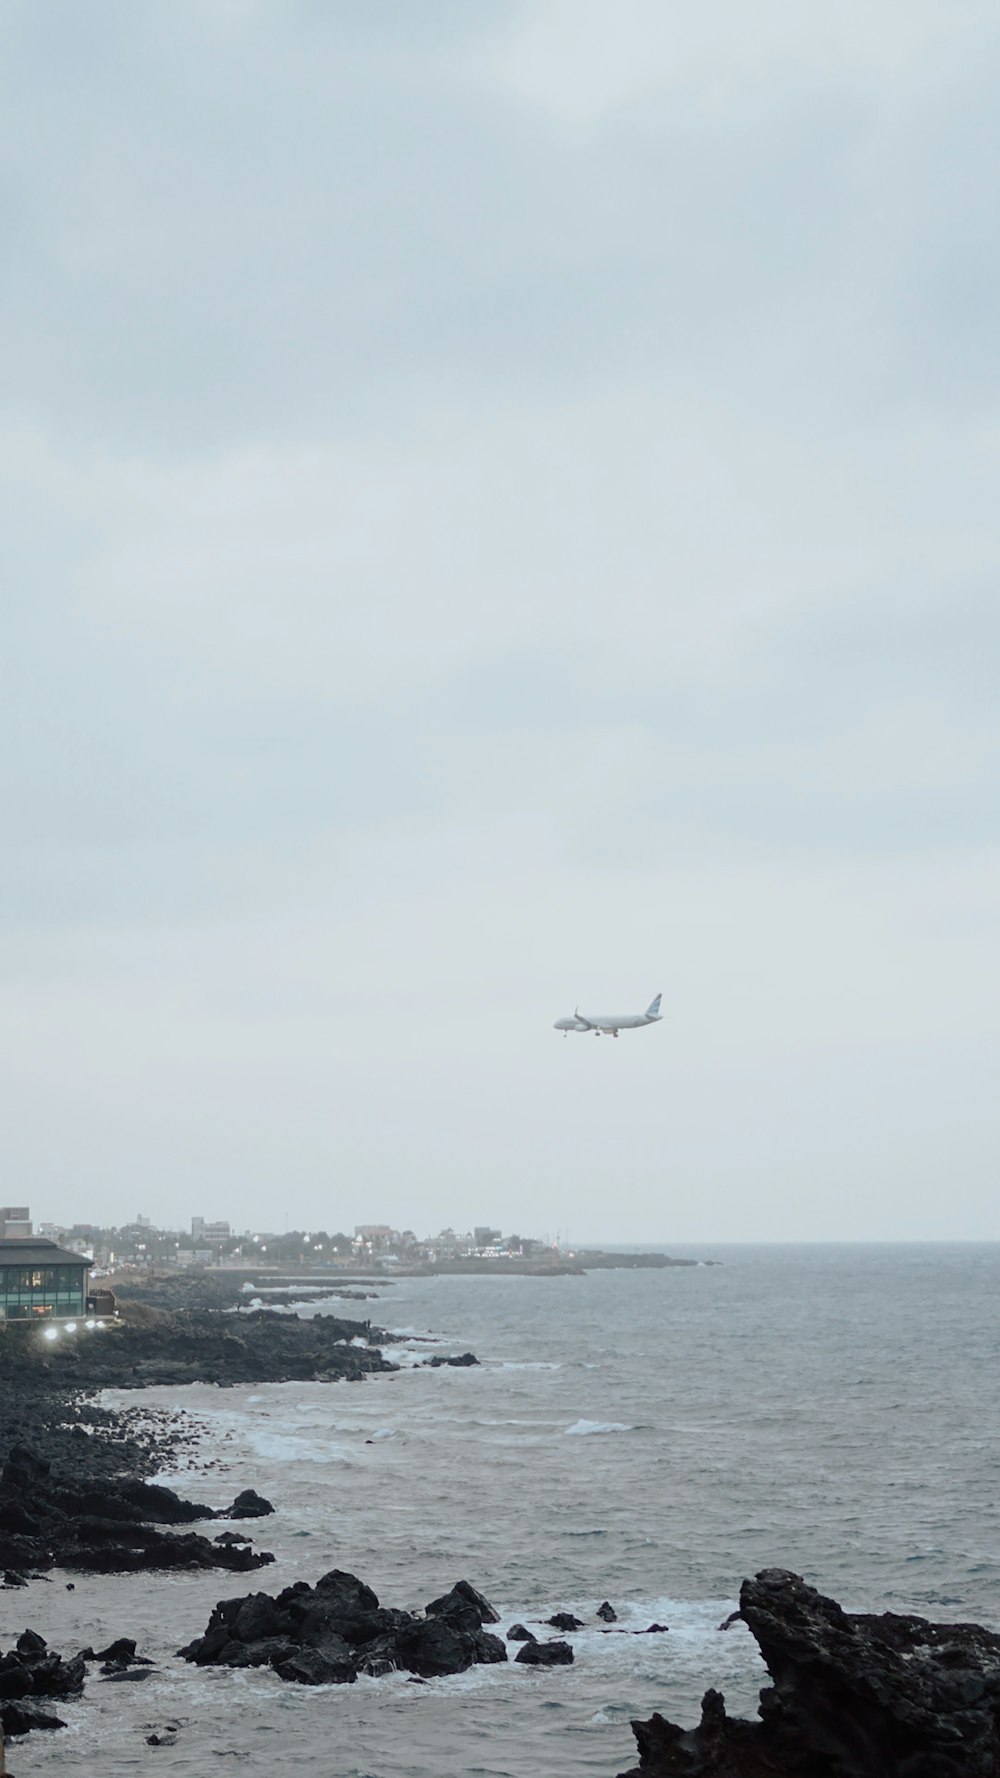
<point>40,1281</point>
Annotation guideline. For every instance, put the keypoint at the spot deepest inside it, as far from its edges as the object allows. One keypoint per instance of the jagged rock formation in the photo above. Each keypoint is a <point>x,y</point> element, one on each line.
<point>30,1672</point>
<point>545,1654</point>
<point>51,1518</point>
<point>329,1633</point>
<point>194,1346</point>
<point>853,1696</point>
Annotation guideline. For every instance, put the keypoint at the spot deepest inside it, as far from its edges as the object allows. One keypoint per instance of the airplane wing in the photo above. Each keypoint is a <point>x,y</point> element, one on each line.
<point>586,1023</point>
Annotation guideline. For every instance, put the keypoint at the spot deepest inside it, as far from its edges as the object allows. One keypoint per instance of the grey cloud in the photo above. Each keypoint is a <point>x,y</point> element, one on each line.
<point>221,223</point>
<point>490,520</point>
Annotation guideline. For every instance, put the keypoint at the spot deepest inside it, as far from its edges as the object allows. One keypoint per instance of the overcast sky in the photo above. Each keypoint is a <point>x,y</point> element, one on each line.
<point>499,510</point>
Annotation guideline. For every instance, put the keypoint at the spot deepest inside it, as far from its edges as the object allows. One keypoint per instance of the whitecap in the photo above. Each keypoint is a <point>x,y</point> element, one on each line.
<point>582,1428</point>
<point>530,1364</point>
<point>284,1447</point>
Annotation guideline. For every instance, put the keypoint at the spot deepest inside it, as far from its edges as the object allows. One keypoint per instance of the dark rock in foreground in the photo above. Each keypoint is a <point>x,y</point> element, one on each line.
<point>853,1696</point>
<point>50,1518</point>
<point>545,1654</point>
<point>329,1633</point>
<point>462,1600</point>
<point>248,1505</point>
<point>21,1716</point>
<point>30,1672</point>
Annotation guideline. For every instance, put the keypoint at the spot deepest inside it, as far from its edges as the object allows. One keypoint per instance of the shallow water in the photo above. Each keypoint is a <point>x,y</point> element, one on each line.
<point>646,1437</point>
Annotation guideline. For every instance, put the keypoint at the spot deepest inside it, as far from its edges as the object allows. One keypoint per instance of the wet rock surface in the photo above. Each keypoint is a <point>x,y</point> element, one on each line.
<point>545,1654</point>
<point>153,1345</point>
<point>329,1633</point>
<point>54,1516</point>
<point>31,1675</point>
<point>73,1492</point>
<point>853,1695</point>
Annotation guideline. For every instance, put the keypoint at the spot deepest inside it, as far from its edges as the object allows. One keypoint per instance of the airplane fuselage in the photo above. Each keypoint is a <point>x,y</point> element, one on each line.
<point>610,1024</point>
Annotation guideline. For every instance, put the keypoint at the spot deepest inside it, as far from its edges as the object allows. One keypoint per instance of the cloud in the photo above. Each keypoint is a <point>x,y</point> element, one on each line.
<point>570,57</point>
<point>229,226</point>
<point>498,514</point>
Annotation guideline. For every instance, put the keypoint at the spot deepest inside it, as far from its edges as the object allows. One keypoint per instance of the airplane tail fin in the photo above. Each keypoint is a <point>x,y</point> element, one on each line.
<point>653,1009</point>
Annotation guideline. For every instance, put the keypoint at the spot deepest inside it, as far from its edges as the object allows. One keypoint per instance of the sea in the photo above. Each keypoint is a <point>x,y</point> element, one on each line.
<point>643,1437</point>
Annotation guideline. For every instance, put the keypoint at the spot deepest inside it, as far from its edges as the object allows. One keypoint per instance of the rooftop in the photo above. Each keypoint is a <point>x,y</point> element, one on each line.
<point>39,1253</point>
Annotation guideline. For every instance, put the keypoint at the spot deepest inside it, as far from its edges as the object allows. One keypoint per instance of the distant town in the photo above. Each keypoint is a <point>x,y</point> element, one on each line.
<point>141,1246</point>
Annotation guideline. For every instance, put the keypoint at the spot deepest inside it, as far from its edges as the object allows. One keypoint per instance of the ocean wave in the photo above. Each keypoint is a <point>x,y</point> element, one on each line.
<point>408,1357</point>
<point>529,1364</point>
<point>584,1428</point>
<point>287,1447</point>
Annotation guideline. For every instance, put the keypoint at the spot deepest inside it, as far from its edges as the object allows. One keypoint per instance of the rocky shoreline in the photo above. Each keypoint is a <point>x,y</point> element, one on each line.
<point>75,1493</point>
<point>57,1516</point>
<point>152,1345</point>
<point>853,1695</point>
<point>547,1267</point>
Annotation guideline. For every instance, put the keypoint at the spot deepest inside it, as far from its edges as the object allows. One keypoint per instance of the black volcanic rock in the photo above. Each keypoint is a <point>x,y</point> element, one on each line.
<point>21,1717</point>
<point>462,1360</point>
<point>30,1672</point>
<point>545,1654</point>
<point>328,1633</point>
<point>607,1612</point>
<point>564,1620</point>
<point>120,1653</point>
<point>518,1633</point>
<point>435,1646</point>
<point>853,1696</point>
<point>49,1519</point>
<point>318,1666</point>
<point>462,1600</point>
<point>248,1505</point>
<point>195,1346</point>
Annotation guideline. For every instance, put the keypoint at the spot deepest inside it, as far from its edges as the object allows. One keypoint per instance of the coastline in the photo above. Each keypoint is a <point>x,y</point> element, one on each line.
<point>395,1512</point>
<point>76,1493</point>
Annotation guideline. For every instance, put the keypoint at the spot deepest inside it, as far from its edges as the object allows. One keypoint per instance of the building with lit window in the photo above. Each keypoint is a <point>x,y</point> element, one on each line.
<point>40,1281</point>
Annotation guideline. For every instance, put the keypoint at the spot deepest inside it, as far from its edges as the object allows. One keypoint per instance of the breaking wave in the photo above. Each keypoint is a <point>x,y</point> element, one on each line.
<point>584,1428</point>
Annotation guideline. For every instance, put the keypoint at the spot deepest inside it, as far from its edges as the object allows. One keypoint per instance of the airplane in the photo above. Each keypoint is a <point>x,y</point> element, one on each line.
<point>628,1021</point>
